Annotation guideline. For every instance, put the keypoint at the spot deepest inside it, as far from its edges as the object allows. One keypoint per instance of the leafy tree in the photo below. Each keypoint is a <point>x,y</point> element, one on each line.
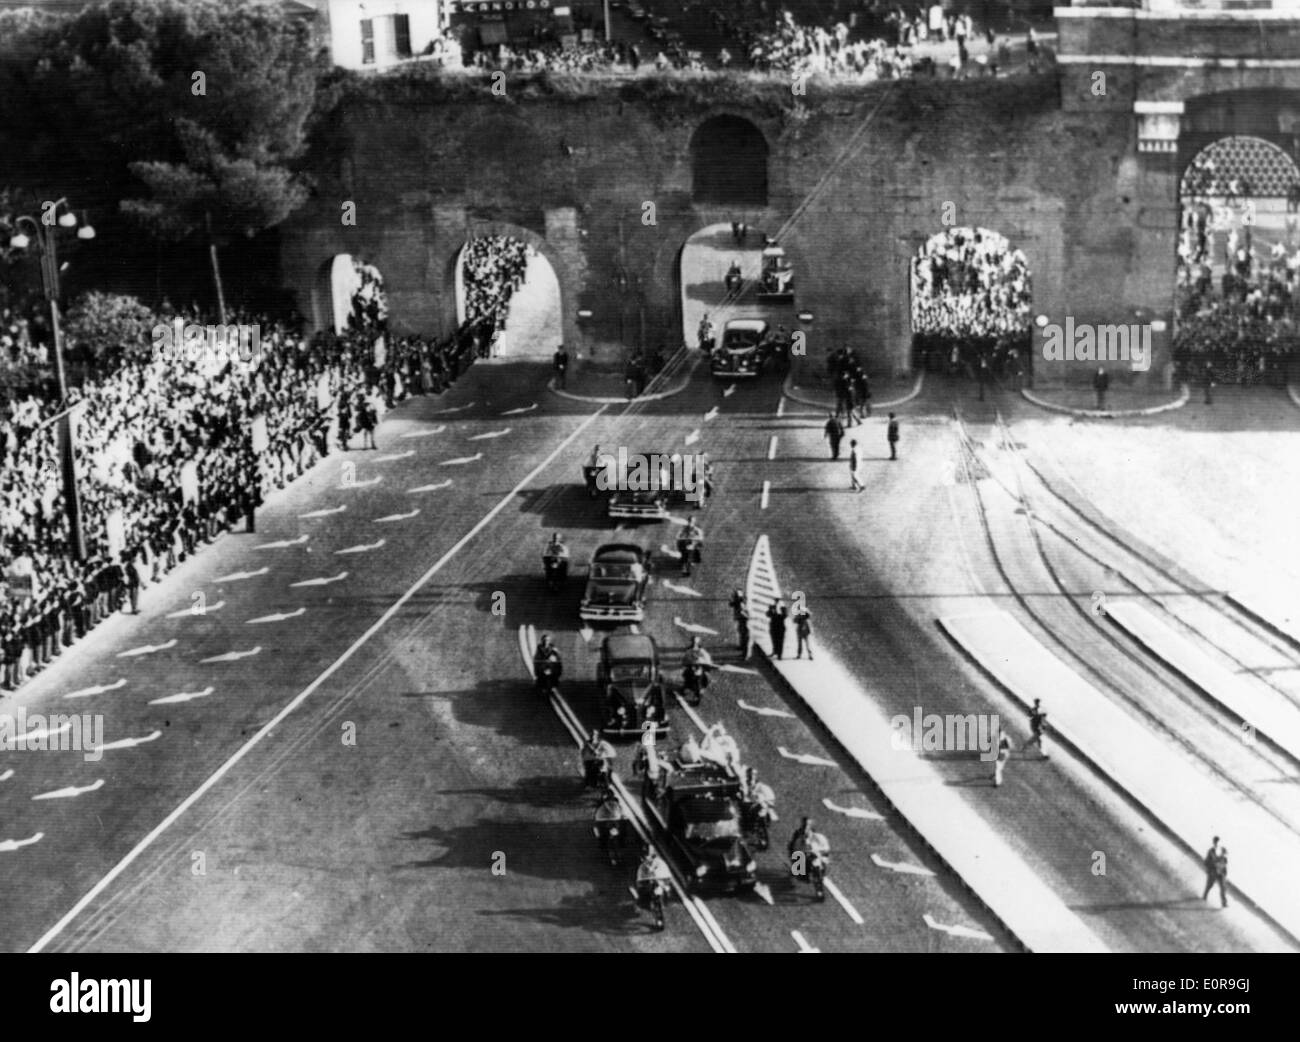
<point>106,324</point>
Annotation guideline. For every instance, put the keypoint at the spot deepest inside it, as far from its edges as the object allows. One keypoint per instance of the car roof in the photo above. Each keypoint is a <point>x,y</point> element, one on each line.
<point>630,646</point>
<point>751,325</point>
<point>618,553</point>
<point>695,809</point>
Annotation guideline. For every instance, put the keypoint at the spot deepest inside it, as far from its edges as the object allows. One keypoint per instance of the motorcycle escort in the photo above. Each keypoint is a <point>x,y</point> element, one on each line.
<point>597,754</point>
<point>811,860</point>
<point>652,878</point>
<point>610,827</point>
<point>695,680</point>
<point>547,668</point>
<point>757,815</point>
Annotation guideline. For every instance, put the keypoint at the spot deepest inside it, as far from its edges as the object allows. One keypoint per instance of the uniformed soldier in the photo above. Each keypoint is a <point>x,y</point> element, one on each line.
<point>561,366</point>
<point>706,333</point>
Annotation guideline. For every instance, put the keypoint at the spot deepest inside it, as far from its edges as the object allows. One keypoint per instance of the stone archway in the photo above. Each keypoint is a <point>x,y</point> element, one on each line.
<point>338,281</point>
<point>704,261</point>
<point>729,157</point>
<point>536,311</point>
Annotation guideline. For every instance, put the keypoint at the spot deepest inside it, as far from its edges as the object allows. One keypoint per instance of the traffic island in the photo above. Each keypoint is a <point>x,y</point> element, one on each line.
<point>818,393</point>
<point>1125,403</point>
<point>608,387</point>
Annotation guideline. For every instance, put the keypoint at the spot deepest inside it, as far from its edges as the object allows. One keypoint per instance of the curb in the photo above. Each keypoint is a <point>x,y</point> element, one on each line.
<point>1109,414</point>
<point>788,392</point>
<point>623,399</point>
<point>1268,624</point>
<point>1293,394</point>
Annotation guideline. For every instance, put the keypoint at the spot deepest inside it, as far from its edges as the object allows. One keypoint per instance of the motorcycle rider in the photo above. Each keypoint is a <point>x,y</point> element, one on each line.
<point>650,872</point>
<point>706,333</point>
<point>757,792</point>
<point>547,656</point>
<point>597,755</point>
<point>608,813</point>
<point>689,539</point>
<point>555,558</point>
<point>800,836</point>
<point>696,663</point>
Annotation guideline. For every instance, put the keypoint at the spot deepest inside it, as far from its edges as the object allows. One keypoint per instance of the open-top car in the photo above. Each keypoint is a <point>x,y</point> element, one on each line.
<point>697,805</point>
<point>776,282</point>
<point>745,349</point>
<point>616,583</point>
<point>629,679</point>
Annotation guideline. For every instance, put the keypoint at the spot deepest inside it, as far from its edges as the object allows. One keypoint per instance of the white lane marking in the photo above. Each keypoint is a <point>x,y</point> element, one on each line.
<point>429,488</point>
<point>771,447</point>
<point>780,407</point>
<point>361,548</point>
<point>354,483</point>
<point>128,743</point>
<point>767,491</point>
<point>70,791</point>
<point>956,931</point>
<point>396,517</point>
<point>190,610</point>
<point>9,845</point>
<point>320,582</point>
<point>693,437</point>
<point>804,947</point>
<point>763,710</point>
<point>216,776</point>
<point>727,667</point>
<point>712,414</point>
<point>901,866</point>
<point>765,892</point>
<point>834,891</point>
<point>806,758</point>
<point>100,689</point>
<point>324,513</point>
<point>36,734</point>
<point>7,774</point>
<point>424,434</point>
<point>282,544</point>
<point>517,412</point>
<point>147,649</point>
<point>491,434</point>
<point>692,627</point>
<point>233,656</point>
<point>852,812</point>
<point>280,616</point>
<point>390,457</point>
<point>669,585</point>
<point>461,460</point>
<point>729,390</point>
<point>235,577</point>
<point>587,633</point>
<point>458,408</point>
<point>694,716</point>
<point>181,696</point>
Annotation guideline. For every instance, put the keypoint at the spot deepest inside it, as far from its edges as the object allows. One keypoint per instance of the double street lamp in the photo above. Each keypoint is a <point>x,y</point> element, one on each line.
<point>43,232</point>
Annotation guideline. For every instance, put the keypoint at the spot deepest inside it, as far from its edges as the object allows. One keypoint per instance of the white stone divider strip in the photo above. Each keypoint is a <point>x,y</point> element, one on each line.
<point>1108,414</point>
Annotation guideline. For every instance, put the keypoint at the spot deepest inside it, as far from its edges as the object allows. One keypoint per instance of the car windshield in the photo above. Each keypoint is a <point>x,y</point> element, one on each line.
<point>739,339</point>
<point>636,672</point>
<point>613,571</point>
<point>727,828</point>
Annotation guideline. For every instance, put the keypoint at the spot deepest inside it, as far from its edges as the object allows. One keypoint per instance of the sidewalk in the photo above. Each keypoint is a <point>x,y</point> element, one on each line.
<point>825,401</point>
<point>1189,804</point>
<point>1074,401</point>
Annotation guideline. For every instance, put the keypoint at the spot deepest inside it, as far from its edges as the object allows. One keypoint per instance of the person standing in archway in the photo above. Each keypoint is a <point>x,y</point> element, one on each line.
<point>561,366</point>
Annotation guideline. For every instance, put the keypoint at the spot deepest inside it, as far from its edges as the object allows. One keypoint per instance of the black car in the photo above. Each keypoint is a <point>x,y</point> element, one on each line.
<point>698,807</point>
<point>629,679</point>
<point>616,584</point>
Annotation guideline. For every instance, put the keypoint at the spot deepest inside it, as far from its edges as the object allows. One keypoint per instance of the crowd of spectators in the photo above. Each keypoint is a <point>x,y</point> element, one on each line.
<point>493,267</point>
<point>971,304</point>
<point>172,451</point>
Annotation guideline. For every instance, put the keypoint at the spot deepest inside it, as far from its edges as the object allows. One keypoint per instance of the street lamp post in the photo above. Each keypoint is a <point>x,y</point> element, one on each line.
<point>44,233</point>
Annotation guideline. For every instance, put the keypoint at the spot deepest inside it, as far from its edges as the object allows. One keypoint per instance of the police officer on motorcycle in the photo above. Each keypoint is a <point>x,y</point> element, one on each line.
<point>608,822</point>
<point>696,664</point>
<point>597,754</point>
<point>547,666</point>
<point>652,879</point>
<point>555,561</point>
<point>689,540</point>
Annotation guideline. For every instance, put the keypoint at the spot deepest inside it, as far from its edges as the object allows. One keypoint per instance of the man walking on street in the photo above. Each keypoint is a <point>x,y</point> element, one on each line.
<point>803,632</point>
<point>834,434</point>
<point>1100,384</point>
<point>1003,755</point>
<point>1038,727</point>
<point>776,616</point>
<point>1216,859</point>
<point>892,435</point>
<point>855,467</point>
<point>561,366</point>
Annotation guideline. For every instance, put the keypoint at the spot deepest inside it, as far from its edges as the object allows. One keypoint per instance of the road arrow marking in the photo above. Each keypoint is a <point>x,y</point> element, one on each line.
<point>693,437</point>
<point>804,947</point>
<point>956,931</point>
<point>587,633</point>
<point>147,649</point>
<point>101,689</point>
<point>727,667</point>
<point>391,456</point>
<point>7,774</point>
<point>282,544</point>
<point>517,412</point>
<point>38,733</point>
<point>763,710</point>
<point>692,627</point>
<point>279,616</point>
<point>900,866</point>
<point>396,517</point>
<point>70,791</point>
<point>712,414</point>
<point>459,408</point>
<point>668,585</point>
<point>459,460</point>
<point>182,696</point>
<point>325,513</point>
<point>852,812</point>
<point>806,758</point>
<point>729,391</point>
<point>207,609</point>
<point>670,553</point>
<point>128,743</point>
<point>365,484</point>
<point>361,548</point>
<point>320,582</point>
<point>9,845</point>
<point>233,656</point>
<point>491,434</point>
<point>424,434</point>
<point>429,488</point>
<point>765,892</point>
<point>235,577</point>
